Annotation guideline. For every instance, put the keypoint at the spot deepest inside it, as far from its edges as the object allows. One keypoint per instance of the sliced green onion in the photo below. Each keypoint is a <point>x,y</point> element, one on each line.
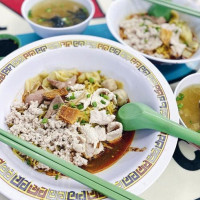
<point>55,106</point>
<point>83,122</point>
<point>68,89</point>
<point>106,97</point>
<point>94,104</point>
<point>41,20</point>
<point>44,120</point>
<point>48,10</point>
<point>72,105</point>
<point>80,106</point>
<point>88,95</point>
<point>56,177</point>
<point>180,97</point>
<point>72,97</point>
<point>30,14</point>
<point>85,10</point>
<point>103,102</point>
<point>28,162</point>
<point>158,28</point>
<point>180,105</point>
<point>91,80</point>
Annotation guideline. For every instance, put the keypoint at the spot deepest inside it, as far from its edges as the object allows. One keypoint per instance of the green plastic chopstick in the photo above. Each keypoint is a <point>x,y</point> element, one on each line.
<point>68,169</point>
<point>177,7</point>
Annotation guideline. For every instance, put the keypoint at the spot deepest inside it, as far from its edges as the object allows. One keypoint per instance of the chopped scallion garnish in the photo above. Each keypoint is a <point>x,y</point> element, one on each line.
<point>30,14</point>
<point>91,80</point>
<point>94,104</point>
<point>105,97</point>
<point>180,105</point>
<point>57,176</point>
<point>83,122</point>
<point>68,89</point>
<point>72,97</point>
<point>44,120</point>
<point>48,10</point>
<point>80,106</point>
<point>55,106</point>
<point>28,162</point>
<point>103,102</point>
<point>180,97</point>
<point>72,105</point>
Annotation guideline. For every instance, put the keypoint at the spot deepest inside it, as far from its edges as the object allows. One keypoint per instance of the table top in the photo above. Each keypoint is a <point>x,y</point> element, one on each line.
<point>180,181</point>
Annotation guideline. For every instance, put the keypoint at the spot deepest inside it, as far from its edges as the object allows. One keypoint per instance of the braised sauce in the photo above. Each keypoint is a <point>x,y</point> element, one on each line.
<point>112,153</point>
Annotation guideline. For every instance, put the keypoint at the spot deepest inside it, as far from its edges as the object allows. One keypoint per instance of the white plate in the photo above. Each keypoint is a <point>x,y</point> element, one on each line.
<point>143,82</point>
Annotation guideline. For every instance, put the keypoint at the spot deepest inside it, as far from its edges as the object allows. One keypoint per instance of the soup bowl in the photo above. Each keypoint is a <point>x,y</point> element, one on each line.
<point>188,81</point>
<point>143,83</point>
<point>121,9</point>
<point>45,32</point>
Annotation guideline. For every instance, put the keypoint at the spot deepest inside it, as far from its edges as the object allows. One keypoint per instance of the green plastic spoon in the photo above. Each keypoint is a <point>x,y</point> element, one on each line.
<point>135,116</point>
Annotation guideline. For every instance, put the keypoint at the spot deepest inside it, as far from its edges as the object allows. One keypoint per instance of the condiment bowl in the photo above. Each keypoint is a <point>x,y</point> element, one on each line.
<point>193,79</point>
<point>45,32</point>
<point>121,9</point>
<point>12,44</point>
<point>135,171</point>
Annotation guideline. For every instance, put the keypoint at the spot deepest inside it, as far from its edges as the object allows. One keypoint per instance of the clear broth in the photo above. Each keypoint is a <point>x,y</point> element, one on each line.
<point>63,12</point>
<point>189,108</point>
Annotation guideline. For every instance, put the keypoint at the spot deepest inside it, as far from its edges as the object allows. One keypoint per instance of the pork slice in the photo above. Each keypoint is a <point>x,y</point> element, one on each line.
<point>51,111</point>
<point>100,117</point>
<point>115,130</point>
<point>59,84</point>
<point>36,96</point>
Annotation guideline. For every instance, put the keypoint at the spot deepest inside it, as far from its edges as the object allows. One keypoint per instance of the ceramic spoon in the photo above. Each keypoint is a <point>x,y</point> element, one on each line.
<point>135,116</point>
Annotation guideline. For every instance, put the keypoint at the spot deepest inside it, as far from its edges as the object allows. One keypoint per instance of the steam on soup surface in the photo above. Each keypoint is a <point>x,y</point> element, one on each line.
<point>188,105</point>
<point>59,13</point>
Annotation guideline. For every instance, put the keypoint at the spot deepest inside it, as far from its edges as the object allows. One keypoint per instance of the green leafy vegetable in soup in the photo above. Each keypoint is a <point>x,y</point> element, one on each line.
<point>58,14</point>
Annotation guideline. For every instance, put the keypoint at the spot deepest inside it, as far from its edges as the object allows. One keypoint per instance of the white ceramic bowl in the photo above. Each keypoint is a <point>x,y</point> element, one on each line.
<point>120,9</point>
<point>45,32</point>
<point>193,79</point>
<point>143,83</point>
<point>190,80</point>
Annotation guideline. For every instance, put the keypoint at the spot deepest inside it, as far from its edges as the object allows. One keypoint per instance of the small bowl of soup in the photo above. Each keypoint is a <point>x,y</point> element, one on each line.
<point>187,95</point>
<point>52,18</point>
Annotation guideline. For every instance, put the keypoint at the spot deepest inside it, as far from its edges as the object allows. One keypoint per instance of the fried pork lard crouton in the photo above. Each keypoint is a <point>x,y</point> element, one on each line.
<point>56,92</point>
<point>68,114</point>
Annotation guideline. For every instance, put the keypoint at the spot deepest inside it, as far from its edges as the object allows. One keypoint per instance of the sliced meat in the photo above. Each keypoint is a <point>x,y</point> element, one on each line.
<point>51,111</point>
<point>36,96</point>
<point>115,130</point>
<point>100,101</point>
<point>100,117</point>
<point>101,132</point>
<point>53,93</point>
<point>59,84</point>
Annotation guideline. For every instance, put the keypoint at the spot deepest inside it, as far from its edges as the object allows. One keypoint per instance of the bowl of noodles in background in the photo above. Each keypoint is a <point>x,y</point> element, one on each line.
<point>94,62</point>
<point>163,41</point>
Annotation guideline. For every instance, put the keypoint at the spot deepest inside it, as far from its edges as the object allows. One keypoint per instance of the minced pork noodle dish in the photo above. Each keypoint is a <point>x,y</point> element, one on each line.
<point>71,114</point>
